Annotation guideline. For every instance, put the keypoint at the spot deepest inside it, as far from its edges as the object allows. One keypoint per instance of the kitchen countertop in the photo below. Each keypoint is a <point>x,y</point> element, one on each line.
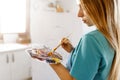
<point>12,47</point>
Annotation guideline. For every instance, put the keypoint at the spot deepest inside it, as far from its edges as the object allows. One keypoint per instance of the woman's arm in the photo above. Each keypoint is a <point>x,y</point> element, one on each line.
<point>62,72</point>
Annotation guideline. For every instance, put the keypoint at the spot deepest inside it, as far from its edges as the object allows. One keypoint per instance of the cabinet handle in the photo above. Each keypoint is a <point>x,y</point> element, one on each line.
<point>13,59</point>
<point>7,59</point>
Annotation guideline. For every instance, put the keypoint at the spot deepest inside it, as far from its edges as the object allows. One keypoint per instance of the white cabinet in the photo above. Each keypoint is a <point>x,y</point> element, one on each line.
<point>15,64</point>
<point>4,67</point>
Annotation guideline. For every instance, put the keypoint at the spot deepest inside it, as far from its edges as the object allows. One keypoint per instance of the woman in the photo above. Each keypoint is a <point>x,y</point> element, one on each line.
<point>96,57</point>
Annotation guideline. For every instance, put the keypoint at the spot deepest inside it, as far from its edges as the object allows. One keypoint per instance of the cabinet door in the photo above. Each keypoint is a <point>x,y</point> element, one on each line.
<point>21,65</point>
<point>4,67</point>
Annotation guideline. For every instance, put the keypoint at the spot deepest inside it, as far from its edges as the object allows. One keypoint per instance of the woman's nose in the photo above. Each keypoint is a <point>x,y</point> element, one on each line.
<point>80,13</point>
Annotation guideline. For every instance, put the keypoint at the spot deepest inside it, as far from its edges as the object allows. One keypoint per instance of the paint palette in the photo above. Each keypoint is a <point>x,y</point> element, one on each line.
<point>42,55</point>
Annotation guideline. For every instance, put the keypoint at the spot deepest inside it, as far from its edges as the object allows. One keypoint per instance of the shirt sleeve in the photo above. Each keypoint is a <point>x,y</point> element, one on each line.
<point>86,59</point>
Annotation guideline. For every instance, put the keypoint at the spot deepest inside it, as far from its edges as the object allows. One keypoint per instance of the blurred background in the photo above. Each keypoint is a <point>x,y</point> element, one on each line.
<point>24,23</point>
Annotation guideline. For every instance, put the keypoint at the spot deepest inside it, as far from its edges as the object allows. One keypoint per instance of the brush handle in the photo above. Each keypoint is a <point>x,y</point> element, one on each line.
<point>56,47</point>
<point>60,43</point>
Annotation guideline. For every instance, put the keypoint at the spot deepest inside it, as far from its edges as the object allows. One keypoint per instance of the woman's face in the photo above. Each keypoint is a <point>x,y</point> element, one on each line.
<point>84,16</point>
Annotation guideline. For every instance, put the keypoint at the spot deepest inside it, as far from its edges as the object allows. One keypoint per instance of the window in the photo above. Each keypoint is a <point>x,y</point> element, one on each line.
<point>12,16</point>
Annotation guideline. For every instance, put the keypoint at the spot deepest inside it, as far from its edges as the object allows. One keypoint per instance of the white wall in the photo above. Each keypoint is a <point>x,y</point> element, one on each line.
<point>48,27</point>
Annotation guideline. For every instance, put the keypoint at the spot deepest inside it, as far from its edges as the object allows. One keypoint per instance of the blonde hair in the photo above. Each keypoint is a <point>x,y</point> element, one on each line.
<point>104,14</point>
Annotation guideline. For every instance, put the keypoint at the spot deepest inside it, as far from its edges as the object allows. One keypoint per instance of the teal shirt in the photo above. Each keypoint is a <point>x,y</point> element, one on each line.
<point>92,58</point>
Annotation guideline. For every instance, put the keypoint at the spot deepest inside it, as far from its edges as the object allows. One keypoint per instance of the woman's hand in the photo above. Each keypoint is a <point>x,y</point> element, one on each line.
<point>66,45</point>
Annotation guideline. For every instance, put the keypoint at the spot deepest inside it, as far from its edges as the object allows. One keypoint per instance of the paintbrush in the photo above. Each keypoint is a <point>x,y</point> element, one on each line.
<point>54,49</point>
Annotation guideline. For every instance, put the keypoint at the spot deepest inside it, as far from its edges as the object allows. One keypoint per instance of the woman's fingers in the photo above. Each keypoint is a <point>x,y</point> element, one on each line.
<point>65,41</point>
<point>66,44</point>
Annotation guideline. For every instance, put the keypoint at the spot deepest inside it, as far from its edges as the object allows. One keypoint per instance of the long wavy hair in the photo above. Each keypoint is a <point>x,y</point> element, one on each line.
<point>104,14</point>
